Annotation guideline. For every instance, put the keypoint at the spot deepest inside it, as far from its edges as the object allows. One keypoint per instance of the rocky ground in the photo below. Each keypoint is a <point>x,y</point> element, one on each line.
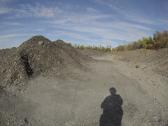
<point>73,98</point>
<point>152,60</point>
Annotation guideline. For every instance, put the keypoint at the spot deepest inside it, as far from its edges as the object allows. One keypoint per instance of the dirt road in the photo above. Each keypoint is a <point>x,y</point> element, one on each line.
<point>75,101</point>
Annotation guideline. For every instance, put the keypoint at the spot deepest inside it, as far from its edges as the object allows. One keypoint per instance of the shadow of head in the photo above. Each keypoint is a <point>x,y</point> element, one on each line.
<point>113,91</point>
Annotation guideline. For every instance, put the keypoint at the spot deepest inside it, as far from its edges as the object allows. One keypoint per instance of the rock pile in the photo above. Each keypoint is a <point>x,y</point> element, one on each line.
<point>35,56</point>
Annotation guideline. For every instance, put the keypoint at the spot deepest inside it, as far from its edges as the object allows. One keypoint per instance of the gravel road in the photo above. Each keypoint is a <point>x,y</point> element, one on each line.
<point>76,100</point>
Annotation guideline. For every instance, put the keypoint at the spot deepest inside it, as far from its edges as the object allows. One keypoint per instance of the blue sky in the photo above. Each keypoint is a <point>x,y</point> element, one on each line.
<point>88,22</point>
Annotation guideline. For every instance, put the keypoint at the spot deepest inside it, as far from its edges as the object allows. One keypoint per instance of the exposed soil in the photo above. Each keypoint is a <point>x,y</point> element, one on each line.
<point>75,99</point>
<point>155,60</point>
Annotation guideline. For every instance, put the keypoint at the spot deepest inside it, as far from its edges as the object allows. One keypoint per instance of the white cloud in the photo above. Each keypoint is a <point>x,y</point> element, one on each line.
<point>37,10</point>
<point>89,25</point>
<point>8,23</point>
<point>130,15</point>
<point>92,24</point>
<point>3,6</point>
<point>13,39</point>
<point>5,1</point>
<point>9,36</point>
<point>4,10</point>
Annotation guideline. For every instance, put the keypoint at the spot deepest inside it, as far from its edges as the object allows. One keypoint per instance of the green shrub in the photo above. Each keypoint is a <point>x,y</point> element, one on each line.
<point>98,48</point>
<point>120,48</point>
<point>159,40</point>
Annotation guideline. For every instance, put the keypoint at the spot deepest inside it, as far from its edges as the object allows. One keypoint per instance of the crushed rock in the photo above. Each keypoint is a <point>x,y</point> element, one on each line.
<point>36,56</point>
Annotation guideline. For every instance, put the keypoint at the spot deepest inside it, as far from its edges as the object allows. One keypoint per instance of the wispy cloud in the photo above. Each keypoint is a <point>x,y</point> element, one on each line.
<point>9,36</point>
<point>89,24</point>
<point>3,6</point>
<point>37,10</point>
<point>93,23</point>
<point>13,39</point>
<point>4,10</point>
<point>4,1</point>
<point>130,15</point>
<point>85,25</point>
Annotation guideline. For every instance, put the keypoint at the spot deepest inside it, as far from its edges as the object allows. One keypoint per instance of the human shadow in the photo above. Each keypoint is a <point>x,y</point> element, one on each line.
<point>112,109</point>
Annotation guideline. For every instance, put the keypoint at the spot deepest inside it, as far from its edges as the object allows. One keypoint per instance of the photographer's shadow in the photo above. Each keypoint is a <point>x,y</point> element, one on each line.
<point>112,109</point>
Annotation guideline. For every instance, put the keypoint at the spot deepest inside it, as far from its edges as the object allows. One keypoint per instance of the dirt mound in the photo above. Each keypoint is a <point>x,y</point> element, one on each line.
<point>35,56</point>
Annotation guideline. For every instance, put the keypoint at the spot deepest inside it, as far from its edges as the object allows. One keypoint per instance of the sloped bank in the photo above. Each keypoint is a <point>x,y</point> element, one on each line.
<point>156,60</point>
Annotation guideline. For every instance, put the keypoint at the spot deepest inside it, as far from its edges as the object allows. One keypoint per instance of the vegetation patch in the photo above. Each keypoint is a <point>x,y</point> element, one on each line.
<point>158,41</point>
<point>97,48</point>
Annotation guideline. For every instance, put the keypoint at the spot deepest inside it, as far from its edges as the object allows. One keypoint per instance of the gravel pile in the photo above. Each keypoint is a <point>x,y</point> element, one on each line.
<point>36,56</point>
